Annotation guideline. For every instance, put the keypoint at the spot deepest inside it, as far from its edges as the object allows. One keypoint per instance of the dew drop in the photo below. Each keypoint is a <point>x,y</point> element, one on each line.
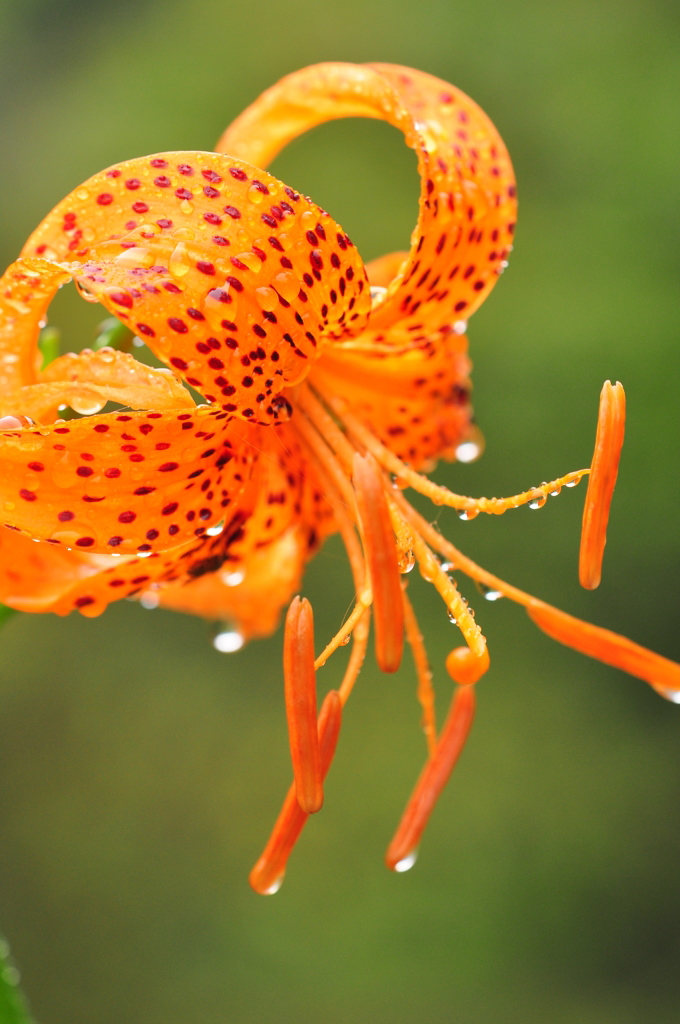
<point>232,579</point>
<point>538,502</point>
<point>86,403</point>
<point>85,293</point>
<point>150,599</point>
<point>489,593</point>
<point>287,285</point>
<point>406,561</point>
<point>671,695</point>
<point>377,294</point>
<point>452,618</point>
<point>255,195</point>
<point>468,513</point>
<point>186,207</point>
<point>460,327</point>
<point>407,862</point>
<point>267,299</point>
<point>468,451</point>
<point>216,530</point>
<point>275,886</point>
<point>179,260</point>
<point>227,640</point>
<point>15,422</point>
<point>138,256</point>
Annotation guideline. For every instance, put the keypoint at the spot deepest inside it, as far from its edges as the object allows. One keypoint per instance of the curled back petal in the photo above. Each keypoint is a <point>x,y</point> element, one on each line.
<point>230,277</point>
<point>124,482</point>
<point>88,380</point>
<point>26,289</point>
<point>467,199</point>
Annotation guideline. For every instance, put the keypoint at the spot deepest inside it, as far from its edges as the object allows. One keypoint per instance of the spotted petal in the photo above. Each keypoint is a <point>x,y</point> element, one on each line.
<point>124,482</point>
<point>231,277</point>
<point>467,199</point>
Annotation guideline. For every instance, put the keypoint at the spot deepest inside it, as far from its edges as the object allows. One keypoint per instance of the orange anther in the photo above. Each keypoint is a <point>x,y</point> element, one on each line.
<point>466,667</point>
<point>401,852</point>
<point>661,673</point>
<point>300,689</point>
<point>381,555</point>
<point>267,875</point>
<point>605,466</point>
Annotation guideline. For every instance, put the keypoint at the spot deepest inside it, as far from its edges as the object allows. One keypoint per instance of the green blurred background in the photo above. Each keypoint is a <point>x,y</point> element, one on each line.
<point>140,771</point>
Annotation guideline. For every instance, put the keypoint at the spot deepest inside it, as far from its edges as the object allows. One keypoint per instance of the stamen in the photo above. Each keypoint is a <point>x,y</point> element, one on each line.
<point>433,778</point>
<point>661,673</point>
<point>603,472</point>
<point>267,875</point>
<point>300,689</point>
<point>465,667</point>
<point>432,572</point>
<point>381,556</point>
<point>424,673</point>
<point>335,484</point>
<point>356,658</point>
<point>611,648</point>
<point>442,495</point>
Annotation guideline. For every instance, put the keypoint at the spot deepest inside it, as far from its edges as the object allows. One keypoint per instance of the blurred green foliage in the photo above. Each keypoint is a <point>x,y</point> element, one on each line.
<point>140,771</point>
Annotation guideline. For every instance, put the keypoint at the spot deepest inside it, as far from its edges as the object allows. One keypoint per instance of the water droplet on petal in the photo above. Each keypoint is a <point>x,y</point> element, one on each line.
<point>15,422</point>
<point>275,886</point>
<point>84,292</point>
<point>489,593</point>
<point>87,403</point>
<point>377,294</point>
<point>232,579</point>
<point>468,513</point>
<point>179,260</point>
<point>150,599</point>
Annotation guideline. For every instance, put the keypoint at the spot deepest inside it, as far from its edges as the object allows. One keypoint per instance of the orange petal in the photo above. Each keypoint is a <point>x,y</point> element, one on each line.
<point>467,200</point>
<point>381,556</point>
<point>661,673</point>
<point>231,277</point>
<point>26,289</point>
<point>604,470</point>
<point>39,577</point>
<point>89,380</point>
<point>465,667</point>
<point>267,875</point>
<point>250,593</point>
<point>415,399</point>
<point>402,850</point>
<point>300,689</point>
<point>124,482</point>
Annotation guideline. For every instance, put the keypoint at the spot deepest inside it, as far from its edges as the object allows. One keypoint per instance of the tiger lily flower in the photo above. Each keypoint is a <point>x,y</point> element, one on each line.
<point>326,389</point>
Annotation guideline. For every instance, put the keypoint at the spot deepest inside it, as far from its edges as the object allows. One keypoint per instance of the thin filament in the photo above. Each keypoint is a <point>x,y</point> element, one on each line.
<point>267,875</point>
<point>433,778</point>
<point>603,472</point>
<point>437,494</point>
<point>423,672</point>
<point>611,648</point>
<point>300,691</point>
<point>381,556</point>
